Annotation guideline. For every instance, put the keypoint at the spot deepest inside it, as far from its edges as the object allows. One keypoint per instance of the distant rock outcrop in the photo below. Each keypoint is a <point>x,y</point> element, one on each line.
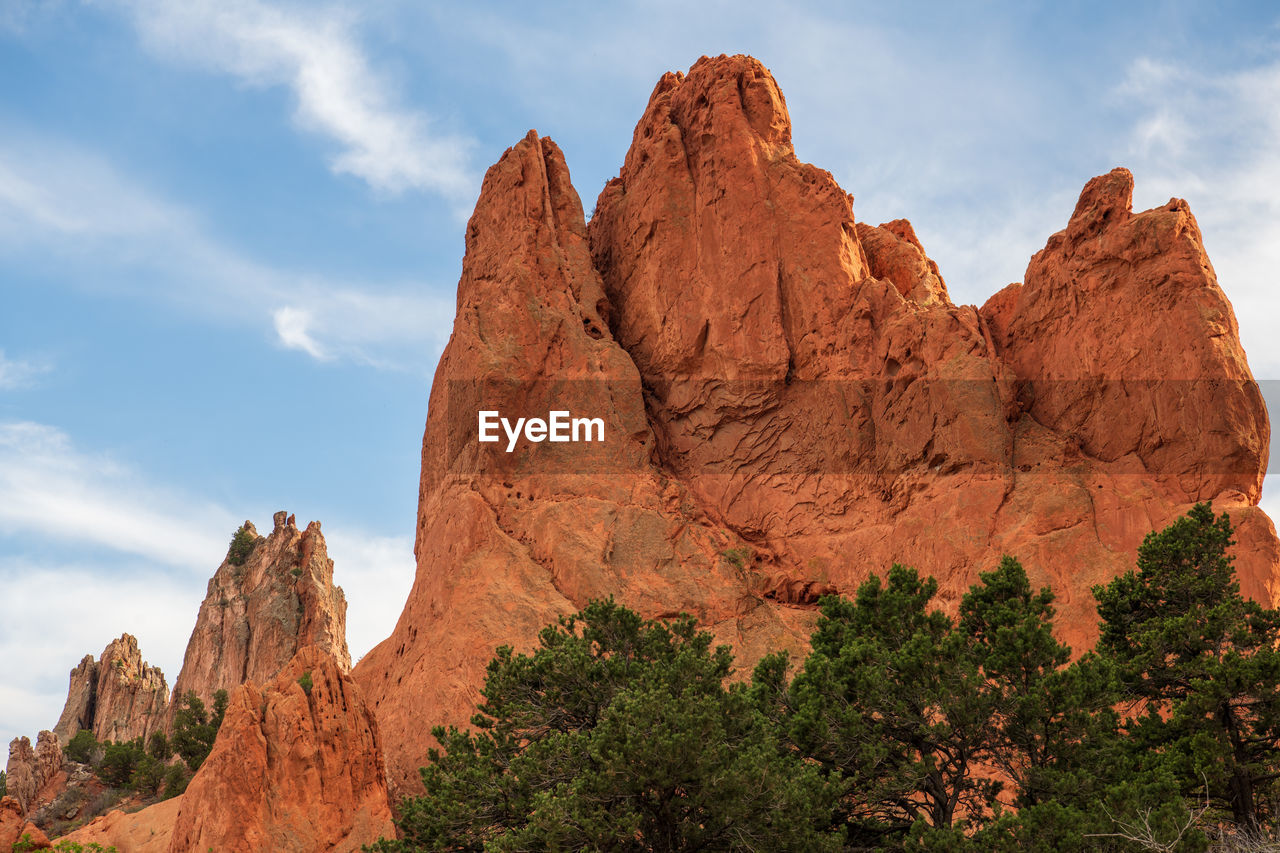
<point>792,403</point>
<point>77,714</point>
<point>296,767</point>
<point>118,697</point>
<point>259,612</point>
<point>29,771</point>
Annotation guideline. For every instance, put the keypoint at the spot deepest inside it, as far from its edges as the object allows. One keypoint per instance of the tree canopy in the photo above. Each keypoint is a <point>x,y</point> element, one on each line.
<point>905,728</point>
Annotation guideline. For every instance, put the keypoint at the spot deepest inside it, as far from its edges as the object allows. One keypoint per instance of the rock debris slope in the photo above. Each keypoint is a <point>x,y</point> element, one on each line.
<point>792,403</point>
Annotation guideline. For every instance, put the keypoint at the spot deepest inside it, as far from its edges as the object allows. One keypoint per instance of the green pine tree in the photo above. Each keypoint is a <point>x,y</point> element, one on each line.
<point>1200,667</point>
<point>892,699</point>
<point>616,734</point>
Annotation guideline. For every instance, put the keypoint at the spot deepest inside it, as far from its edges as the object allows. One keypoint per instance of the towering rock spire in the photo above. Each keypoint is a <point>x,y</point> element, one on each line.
<point>118,697</point>
<point>260,610</point>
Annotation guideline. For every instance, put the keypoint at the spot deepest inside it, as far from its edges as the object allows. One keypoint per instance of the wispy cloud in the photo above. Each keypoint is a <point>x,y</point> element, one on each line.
<point>1211,138</point>
<point>314,52</point>
<point>293,330</point>
<point>15,373</point>
<point>61,495</point>
<point>64,206</point>
<point>150,549</point>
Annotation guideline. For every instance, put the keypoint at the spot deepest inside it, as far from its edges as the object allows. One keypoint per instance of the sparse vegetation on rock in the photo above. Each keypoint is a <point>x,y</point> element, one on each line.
<point>242,542</point>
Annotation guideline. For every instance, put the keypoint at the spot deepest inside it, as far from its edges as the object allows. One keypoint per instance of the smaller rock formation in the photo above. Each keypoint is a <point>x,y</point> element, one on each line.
<point>259,612</point>
<point>118,697</point>
<point>14,825</point>
<point>20,773</point>
<point>132,696</point>
<point>30,771</point>
<point>296,767</point>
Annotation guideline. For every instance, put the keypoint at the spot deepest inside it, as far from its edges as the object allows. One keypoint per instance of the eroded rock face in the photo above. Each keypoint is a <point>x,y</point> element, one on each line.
<point>14,826</point>
<point>77,714</point>
<point>118,697</point>
<point>507,541</point>
<point>292,769</point>
<point>148,830</point>
<point>792,403</point>
<point>256,616</point>
<point>21,773</point>
<point>30,772</point>
<point>131,696</point>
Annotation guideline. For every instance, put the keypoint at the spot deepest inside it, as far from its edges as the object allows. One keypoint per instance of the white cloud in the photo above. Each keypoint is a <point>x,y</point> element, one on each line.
<point>1210,138</point>
<point>61,495</point>
<point>314,52</point>
<point>72,212</point>
<point>376,572</point>
<point>16,374</point>
<point>291,328</point>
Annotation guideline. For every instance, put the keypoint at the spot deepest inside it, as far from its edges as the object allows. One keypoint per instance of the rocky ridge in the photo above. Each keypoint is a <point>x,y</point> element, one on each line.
<point>256,615</point>
<point>296,767</point>
<point>792,403</point>
<point>118,697</point>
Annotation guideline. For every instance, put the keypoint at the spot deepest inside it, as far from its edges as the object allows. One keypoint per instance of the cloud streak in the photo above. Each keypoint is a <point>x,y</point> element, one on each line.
<point>314,52</point>
<point>16,374</point>
<point>56,493</point>
<point>66,207</point>
<point>1210,138</point>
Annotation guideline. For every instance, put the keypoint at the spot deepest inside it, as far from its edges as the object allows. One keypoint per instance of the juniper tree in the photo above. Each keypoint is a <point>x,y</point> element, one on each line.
<point>616,734</point>
<point>892,699</point>
<point>1199,665</point>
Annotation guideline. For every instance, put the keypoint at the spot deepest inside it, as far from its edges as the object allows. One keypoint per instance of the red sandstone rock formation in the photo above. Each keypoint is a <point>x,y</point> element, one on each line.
<point>293,769</point>
<point>21,780</point>
<point>792,403</point>
<point>256,616</point>
<point>14,825</point>
<point>131,696</point>
<point>30,773</point>
<point>146,831</point>
<point>77,714</point>
<point>118,697</point>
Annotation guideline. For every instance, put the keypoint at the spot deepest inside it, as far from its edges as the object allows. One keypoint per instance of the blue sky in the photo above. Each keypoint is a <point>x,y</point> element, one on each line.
<point>231,231</point>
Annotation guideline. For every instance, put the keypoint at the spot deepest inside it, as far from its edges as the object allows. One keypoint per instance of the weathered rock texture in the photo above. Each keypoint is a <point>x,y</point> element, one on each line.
<point>292,769</point>
<point>77,714</point>
<point>792,403</point>
<point>118,697</point>
<point>256,616</point>
<point>148,830</point>
<point>14,825</point>
<point>20,773</point>
<point>29,772</point>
